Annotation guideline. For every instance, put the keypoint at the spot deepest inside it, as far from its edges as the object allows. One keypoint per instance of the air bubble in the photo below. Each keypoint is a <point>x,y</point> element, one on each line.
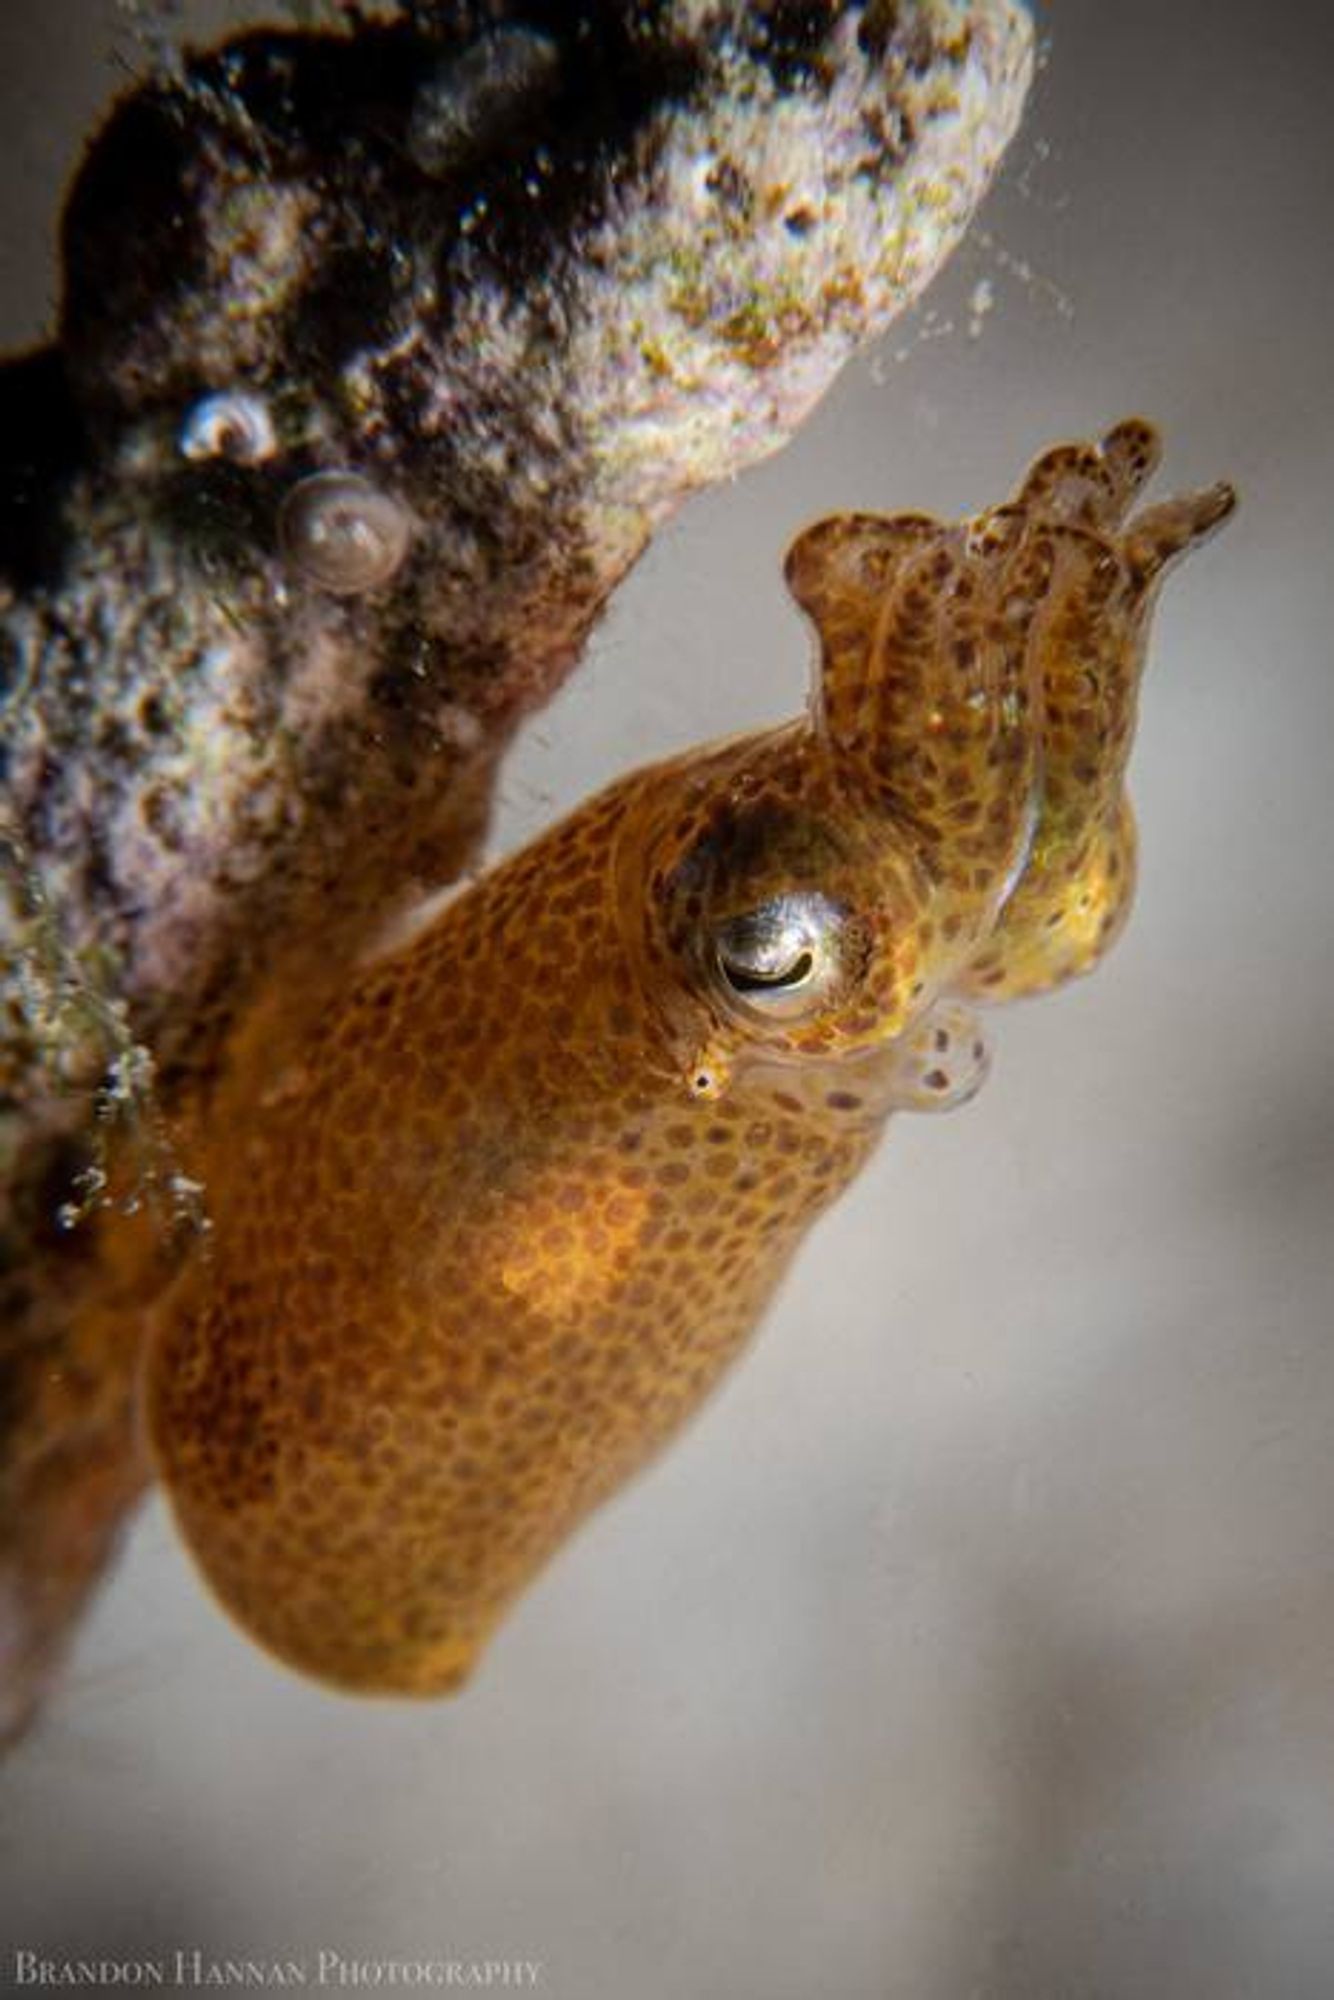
<point>339,531</point>
<point>473,101</point>
<point>234,424</point>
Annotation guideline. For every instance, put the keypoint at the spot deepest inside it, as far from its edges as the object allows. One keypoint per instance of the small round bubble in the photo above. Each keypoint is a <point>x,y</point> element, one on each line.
<point>338,530</point>
<point>234,424</point>
<point>473,100</point>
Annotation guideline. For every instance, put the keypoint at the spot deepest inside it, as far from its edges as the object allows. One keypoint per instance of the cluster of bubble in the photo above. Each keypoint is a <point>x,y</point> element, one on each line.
<point>337,529</point>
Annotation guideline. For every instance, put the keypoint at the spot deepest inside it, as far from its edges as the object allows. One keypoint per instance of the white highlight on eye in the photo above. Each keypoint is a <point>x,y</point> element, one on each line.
<point>782,957</point>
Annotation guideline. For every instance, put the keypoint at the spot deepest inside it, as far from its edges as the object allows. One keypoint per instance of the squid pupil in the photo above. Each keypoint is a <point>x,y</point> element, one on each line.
<point>747,980</point>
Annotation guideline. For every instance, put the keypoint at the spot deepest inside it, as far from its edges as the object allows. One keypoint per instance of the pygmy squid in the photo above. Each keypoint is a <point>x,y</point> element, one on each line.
<point>493,1227</point>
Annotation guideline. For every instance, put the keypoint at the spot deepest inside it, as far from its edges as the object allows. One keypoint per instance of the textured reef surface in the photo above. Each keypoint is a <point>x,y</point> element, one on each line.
<point>382,352</point>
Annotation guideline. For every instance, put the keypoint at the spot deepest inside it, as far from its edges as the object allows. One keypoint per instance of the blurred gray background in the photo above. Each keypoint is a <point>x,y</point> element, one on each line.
<point>978,1642</point>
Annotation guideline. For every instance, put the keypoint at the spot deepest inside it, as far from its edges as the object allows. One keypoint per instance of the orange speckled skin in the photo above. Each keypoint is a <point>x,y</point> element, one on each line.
<point>492,1231</point>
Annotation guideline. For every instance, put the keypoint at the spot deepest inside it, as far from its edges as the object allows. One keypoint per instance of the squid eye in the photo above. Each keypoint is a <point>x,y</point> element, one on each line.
<point>783,956</point>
